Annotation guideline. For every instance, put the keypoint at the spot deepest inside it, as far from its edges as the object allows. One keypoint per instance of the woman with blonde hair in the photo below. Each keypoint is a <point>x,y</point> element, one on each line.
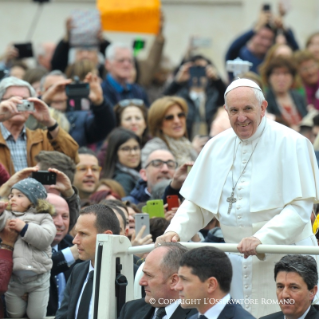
<point>167,126</point>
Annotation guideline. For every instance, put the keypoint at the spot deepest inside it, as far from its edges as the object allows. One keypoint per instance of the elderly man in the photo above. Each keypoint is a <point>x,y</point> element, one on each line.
<point>159,281</point>
<point>119,64</point>
<point>296,279</point>
<point>260,180</point>
<point>160,165</point>
<point>64,253</point>
<point>19,145</point>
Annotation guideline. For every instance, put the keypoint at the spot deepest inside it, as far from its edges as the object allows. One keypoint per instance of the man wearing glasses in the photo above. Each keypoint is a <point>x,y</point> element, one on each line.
<point>18,144</point>
<point>160,165</point>
<point>87,173</point>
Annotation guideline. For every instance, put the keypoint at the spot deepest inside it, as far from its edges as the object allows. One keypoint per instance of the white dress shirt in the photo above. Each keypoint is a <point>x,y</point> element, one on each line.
<point>214,312</point>
<point>79,300</point>
<point>170,309</point>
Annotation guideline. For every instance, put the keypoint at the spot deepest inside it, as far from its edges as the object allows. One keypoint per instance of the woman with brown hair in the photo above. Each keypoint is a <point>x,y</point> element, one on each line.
<point>132,115</point>
<point>283,101</point>
<point>167,125</point>
<point>107,184</point>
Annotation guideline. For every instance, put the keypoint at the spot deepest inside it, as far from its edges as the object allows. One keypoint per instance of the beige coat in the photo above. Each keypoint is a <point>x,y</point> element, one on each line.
<point>32,252</point>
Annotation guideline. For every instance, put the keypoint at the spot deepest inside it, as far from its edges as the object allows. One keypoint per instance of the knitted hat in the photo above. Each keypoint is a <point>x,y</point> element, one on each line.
<point>32,189</point>
<point>241,82</point>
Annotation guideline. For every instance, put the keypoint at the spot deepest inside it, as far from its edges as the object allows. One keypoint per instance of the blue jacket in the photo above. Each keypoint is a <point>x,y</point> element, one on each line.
<point>115,93</point>
<point>87,127</point>
<point>138,194</point>
<point>239,49</point>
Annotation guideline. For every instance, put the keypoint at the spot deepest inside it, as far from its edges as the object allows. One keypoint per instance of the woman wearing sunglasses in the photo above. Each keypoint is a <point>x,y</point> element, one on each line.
<point>123,158</point>
<point>132,115</point>
<point>167,125</point>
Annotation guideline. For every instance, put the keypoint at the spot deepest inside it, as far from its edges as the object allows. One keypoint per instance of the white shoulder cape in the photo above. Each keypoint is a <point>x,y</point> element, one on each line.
<point>284,169</point>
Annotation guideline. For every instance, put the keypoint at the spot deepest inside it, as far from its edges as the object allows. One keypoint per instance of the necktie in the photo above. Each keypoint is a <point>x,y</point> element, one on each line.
<point>60,283</point>
<point>202,317</point>
<point>160,313</point>
<point>83,312</point>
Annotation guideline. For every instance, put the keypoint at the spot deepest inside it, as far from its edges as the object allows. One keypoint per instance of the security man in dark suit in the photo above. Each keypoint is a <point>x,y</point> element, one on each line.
<point>159,280</point>
<point>77,300</point>
<point>296,279</point>
<point>64,253</point>
<point>205,275</point>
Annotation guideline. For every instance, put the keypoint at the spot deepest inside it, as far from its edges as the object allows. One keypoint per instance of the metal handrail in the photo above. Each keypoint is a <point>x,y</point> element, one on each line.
<point>261,249</point>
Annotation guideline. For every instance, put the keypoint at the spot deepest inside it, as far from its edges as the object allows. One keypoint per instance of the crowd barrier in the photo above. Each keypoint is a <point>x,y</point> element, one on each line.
<point>110,247</point>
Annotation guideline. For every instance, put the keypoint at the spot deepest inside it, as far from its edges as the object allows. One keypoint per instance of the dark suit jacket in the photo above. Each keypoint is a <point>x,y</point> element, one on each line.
<point>72,291</point>
<point>312,314</point>
<point>139,309</point>
<point>232,311</point>
<point>59,265</point>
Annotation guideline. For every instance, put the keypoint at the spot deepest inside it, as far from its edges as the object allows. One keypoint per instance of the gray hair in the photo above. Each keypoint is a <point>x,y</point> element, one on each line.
<point>146,159</point>
<point>258,94</point>
<point>304,266</point>
<point>110,51</point>
<point>170,261</point>
<point>159,189</point>
<point>13,81</point>
<point>54,72</point>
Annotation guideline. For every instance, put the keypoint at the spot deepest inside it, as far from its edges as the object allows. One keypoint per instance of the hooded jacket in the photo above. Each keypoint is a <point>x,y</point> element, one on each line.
<point>32,250</point>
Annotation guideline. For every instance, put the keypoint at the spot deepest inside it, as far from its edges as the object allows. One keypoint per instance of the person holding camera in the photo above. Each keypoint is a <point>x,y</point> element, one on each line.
<point>198,82</point>
<point>86,127</point>
<point>18,144</point>
<point>253,45</point>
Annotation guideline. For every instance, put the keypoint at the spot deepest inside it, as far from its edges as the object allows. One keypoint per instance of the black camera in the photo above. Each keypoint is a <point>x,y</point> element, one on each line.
<point>75,92</point>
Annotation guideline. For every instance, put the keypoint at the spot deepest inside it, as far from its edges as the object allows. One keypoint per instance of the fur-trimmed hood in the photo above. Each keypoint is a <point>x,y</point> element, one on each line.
<point>43,206</point>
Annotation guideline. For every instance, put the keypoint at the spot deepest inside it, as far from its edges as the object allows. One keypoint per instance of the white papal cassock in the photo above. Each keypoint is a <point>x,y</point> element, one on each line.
<point>274,196</point>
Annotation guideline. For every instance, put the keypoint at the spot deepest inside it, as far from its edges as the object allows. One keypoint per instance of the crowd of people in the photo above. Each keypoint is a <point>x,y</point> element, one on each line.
<point>117,131</point>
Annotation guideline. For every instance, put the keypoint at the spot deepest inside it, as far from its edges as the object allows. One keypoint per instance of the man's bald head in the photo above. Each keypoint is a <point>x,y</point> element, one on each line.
<point>61,218</point>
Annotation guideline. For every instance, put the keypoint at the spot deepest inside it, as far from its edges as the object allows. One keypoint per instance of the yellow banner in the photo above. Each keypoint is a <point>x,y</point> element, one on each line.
<point>140,16</point>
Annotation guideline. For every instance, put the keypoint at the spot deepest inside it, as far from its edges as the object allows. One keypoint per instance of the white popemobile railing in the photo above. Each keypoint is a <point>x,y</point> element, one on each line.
<point>110,247</point>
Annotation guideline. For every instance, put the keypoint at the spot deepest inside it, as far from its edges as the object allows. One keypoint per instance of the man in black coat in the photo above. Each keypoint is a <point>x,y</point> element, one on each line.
<point>77,300</point>
<point>205,275</point>
<point>159,280</point>
<point>64,253</point>
<point>296,279</point>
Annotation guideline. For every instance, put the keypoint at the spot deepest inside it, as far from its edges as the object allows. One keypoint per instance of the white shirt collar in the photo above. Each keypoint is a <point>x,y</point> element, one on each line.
<point>170,309</point>
<point>304,315</point>
<point>258,132</point>
<point>214,311</point>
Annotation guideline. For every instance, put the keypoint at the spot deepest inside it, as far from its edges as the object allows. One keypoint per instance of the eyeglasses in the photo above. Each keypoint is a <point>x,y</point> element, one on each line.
<point>171,117</point>
<point>128,149</point>
<point>159,164</point>
<point>84,168</point>
<point>127,102</point>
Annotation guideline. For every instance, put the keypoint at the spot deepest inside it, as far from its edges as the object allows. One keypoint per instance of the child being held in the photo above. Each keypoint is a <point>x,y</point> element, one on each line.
<point>30,215</point>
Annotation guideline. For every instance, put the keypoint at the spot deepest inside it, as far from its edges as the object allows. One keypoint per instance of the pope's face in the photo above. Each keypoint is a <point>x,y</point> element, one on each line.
<point>244,111</point>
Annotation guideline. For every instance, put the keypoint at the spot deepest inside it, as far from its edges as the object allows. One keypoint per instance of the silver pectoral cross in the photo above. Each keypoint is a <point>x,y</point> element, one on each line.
<point>231,200</point>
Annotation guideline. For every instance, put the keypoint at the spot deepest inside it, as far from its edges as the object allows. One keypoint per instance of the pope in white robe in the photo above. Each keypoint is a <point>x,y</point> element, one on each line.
<point>274,174</point>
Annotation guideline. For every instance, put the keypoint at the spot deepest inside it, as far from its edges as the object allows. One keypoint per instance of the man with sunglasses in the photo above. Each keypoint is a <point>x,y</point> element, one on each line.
<point>160,165</point>
<point>87,173</point>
